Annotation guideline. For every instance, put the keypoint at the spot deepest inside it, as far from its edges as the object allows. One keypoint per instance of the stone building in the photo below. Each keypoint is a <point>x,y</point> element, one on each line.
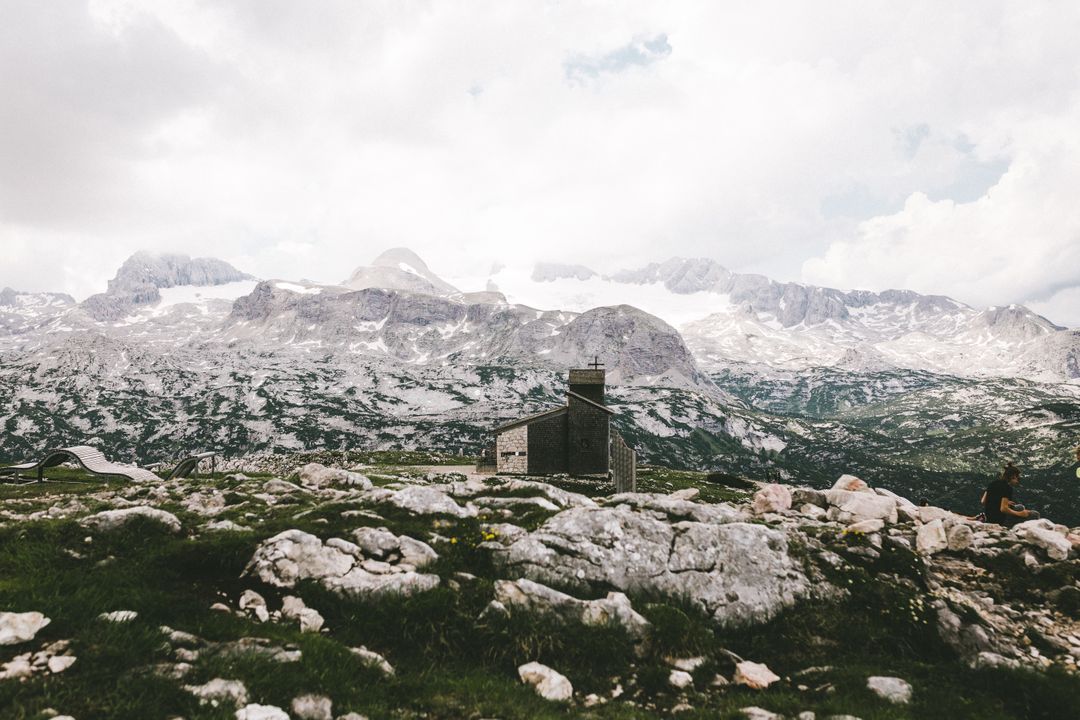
<point>576,438</point>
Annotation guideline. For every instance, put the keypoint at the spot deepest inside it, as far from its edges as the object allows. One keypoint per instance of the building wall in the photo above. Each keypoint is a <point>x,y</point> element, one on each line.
<point>587,445</point>
<point>547,445</point>
<point>512,450</point>
<point>588,383</point>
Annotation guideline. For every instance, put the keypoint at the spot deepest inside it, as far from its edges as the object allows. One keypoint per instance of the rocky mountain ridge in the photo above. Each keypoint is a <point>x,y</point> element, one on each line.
<point>747,318</point>
<point>140,279</point>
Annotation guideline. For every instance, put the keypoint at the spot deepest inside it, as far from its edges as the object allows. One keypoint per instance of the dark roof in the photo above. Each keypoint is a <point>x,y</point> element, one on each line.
<point>529,418</point>
<point>595,404</point>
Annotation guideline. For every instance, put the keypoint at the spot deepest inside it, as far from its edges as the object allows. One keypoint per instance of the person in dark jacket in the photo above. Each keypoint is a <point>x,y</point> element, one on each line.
<point>997,500</point>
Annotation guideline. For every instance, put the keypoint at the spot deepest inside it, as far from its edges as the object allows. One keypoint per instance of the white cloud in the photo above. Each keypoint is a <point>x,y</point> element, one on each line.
<point>299,141</point>
<point>1019,242</point>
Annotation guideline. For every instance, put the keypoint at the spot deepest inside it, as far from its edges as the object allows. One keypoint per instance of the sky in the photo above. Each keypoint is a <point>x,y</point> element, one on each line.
<point>921,145</point>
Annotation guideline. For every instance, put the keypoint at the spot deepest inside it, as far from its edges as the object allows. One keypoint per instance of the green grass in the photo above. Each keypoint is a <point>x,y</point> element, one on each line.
<point>449,664</point>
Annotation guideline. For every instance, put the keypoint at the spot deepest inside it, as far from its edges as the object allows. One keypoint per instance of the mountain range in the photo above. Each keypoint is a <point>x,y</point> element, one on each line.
<point>750,375</point>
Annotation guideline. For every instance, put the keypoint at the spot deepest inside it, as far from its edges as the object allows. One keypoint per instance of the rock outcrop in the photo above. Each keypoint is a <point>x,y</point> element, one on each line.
<point>339,565</point>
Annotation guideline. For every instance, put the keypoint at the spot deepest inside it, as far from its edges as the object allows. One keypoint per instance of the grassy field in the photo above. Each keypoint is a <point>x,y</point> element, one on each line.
<point>449,664</point>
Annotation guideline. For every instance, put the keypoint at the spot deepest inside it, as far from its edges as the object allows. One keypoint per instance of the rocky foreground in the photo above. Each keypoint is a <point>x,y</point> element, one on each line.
<point>382,591</point>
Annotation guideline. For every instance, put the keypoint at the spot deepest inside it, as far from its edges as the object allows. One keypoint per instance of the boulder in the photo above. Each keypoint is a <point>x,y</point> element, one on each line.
<point>293,608</point>
<point>313,707</point>
<point>255,604</point>
<point>813,512</point>
<point>373,659</point>
<point>220,690</point>
<point>866,527</point>
<point>680,679</point>
<point>756,676</point>
<point>931,538</point>
<point>209,503</point>
<point>772,498</point>
<point>851,483</point>
<point>18,628</point>
<point>118,616</point>
<point>737,572</point>
<point>893,689</point>
<point>854,506</point>
<point>808,496</point>
<point>314,475</point>
<point>113,519</point>
<point>276,486</point>
<point>261,712</point>
<point>531,596</point>
<point>59,663</point>
<point>381,544</point>
<point>294,555</point>
<point>548,684</point>
<point>960,537</point>
<point>753,712</point>
<point>422,500</point>
<point>1046,535</point>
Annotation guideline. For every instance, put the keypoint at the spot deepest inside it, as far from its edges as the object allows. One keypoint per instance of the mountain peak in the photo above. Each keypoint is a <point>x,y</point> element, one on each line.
<point>399,269</point>
<point>142,276</point>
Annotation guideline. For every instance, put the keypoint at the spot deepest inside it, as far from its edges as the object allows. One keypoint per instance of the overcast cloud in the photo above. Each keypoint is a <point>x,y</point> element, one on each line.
<point>930,146</point>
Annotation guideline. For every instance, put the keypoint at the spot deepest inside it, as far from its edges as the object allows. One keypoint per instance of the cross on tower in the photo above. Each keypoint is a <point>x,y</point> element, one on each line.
<point>596,364</point>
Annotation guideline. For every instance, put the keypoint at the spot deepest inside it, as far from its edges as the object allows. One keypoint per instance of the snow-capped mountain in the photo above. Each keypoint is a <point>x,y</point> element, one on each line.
<point>194,353</point>
<point>142,277</point>
<point>399,269</point>
<point>727,318</point>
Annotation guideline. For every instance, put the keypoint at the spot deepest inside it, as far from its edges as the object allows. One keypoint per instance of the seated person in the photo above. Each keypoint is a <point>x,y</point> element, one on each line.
<point>997,500</point>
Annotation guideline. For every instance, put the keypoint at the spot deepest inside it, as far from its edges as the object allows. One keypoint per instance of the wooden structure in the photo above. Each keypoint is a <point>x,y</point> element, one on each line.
<point>88,458</point>
<point>576,438</point>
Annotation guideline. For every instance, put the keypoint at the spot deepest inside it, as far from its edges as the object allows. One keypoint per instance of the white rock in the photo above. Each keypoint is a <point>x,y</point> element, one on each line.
<point>373,659</point>
<point>754,675</point>
<point>60,663</point>
<point>866,527</point>
<point>352,716</point>
<point>813,512</point>
<point>225,526</point>
<point>256,604</point>
<point>18,628</point>
<point>112,519</point>
<point>209,503</point>
<point>688,664</point>
<point>294,608</point>
<point>771,498</point>
<point>894,689</point>
<point>851,483</point>
<point>422,500</point>
<point>313,707</point>
<point>1043,533</point>
<point>931,538</point>
<point>929,513</point>
<point>680,679</point>
<point>294,555</point>
<point>119,616</point>
<point>737,572</point>
<point>314,475</point>
<point>261,712</point>
<point>755,713</point>
<point>220,690</point>
<point>531,596</point>
<point>686,494</point>
<point>961,537</point>
<point>548,683</point>
<point>861,506</point>
<point>280,487</point>
<point>18,668</point>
